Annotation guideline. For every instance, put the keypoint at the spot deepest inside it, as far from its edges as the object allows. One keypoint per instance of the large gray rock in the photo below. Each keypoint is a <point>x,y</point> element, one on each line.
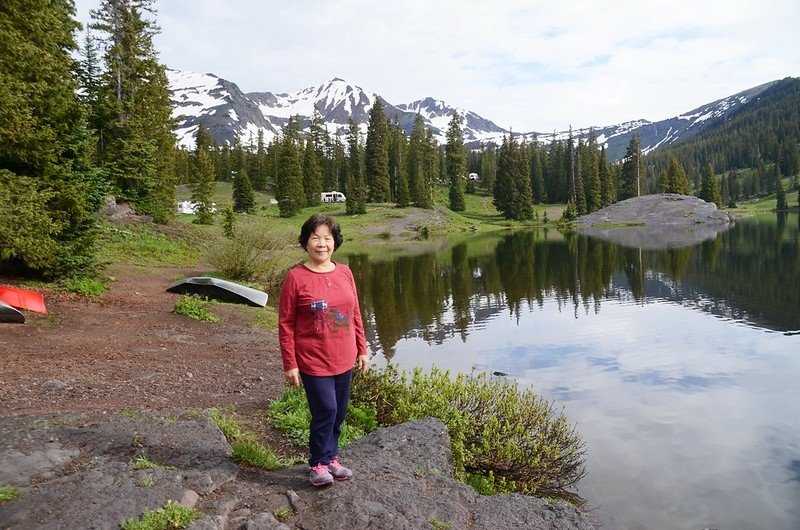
<point>74,472</point>
<point>659,221</point>
<point>404,480</point>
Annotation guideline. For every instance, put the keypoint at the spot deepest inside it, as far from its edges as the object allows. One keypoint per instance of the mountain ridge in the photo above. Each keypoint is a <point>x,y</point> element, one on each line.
<point>229,113</point>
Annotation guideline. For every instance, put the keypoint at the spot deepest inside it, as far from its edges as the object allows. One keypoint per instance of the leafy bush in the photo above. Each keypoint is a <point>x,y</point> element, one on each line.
<point>168,517</point>
<point>503,439</point>
<point>290,414</point>
<point>196,307</point>
<point>250,253</point>
<point>84,286</point>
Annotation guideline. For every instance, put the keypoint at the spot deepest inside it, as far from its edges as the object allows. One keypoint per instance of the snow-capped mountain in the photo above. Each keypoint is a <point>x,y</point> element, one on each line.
<point>228,113</point>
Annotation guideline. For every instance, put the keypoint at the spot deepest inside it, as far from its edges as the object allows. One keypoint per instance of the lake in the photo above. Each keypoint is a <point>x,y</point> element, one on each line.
<point>679,367</point>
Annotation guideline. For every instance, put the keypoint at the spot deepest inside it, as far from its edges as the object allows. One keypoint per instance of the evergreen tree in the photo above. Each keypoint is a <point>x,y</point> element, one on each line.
<point>591,174</point>
<point>537,175</point>
<point>522,200</point>
<point>456,162</point>
<point>780,193</point>
<point>676,178</point>
<point>376,154</point>
<point>489,167</point>
<point>289,185</point>
<point>607,184</point>
<point>632,167</point>
<point>244,200</point>
<point>48,189</point>
<point>312,174</point>
<point>259,169</point>
<point>138,147</point>
<point>504,184</point>
<point>418,181</point>
<point>709,190</point>
<point>356,193</point>
<point>202,179</point>
<point>398,167</point>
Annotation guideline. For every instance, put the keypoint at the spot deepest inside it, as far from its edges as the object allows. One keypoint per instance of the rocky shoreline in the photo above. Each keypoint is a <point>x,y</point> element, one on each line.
<point>74,471</point>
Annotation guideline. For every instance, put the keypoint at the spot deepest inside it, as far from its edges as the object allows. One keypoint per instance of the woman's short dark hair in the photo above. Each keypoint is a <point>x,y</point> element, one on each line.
<point>316,220</point>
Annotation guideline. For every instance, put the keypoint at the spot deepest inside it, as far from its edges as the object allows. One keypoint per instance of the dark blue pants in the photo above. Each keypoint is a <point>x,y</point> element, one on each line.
<point>328,397</point>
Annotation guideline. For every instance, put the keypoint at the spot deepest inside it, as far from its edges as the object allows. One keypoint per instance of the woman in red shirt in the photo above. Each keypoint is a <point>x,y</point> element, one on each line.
<point>322,337</point>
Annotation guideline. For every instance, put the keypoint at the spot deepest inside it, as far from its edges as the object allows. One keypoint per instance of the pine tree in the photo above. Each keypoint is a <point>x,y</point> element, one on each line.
<point>607,184</point>
<point>537,175</point>
<point>676,178</point>
<point>48,188</point>
<point>202,178</point>
<point>780,193</point>
<point>632,167</point>
<point>398,167</point>
<point>709,190</point>
<point>456,162</point>
<point>138,147</point>
<point>356,191</point>
<point>376,154</point>
<point>504,184</point>
<point>522,202</point>
<point>591,169</point>
<point>259,167</point>
<point>312,174</point>
<point>244,200</point>
<point>289,192</point>
<point>417,153</point>
<point>489,167</point>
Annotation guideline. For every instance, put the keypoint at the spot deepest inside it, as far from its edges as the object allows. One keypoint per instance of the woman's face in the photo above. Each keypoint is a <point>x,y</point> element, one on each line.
<point>320,245</point>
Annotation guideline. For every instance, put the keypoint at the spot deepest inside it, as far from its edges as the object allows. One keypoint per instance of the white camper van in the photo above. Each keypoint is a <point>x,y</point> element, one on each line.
<point>332,196</point>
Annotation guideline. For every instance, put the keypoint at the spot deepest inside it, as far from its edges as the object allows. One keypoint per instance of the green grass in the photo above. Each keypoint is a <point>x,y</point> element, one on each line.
<point>266,318</point>
<point>8,493</point>
<point>290,414</point>
<point>283,513</point>
<point>145,246</point>
<point>84,286</point>
<point>142,462</point>
<point>195,307</point>
<point>245,449</point>
<point>170,516</point>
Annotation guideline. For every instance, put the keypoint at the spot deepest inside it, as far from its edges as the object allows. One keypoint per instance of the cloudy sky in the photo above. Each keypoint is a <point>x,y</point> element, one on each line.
<point>530,65</point>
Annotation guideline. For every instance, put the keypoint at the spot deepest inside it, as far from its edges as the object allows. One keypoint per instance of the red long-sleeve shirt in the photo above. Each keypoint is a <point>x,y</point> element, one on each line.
<point>319,324</point>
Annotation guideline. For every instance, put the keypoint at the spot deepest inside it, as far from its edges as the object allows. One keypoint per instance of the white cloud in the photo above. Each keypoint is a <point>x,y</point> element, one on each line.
<point>531,67</point>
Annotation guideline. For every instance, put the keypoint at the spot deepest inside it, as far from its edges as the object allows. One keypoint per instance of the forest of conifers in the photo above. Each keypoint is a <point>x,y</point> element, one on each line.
<point>77,130</point>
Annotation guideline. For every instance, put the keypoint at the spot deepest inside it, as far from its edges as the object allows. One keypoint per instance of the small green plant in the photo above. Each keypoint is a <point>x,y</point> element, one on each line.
<point>251,453</point>
<point>283,513</point>
<point>142,462</point>
<point>266,318</point>
<point>147,481</point>
<point>136,441</point>
<point>438,524</point>
<point>128,413</point>
<point>170,516</point>
<point>250,253</point>
<point>385,235</point>
<point>195,307</point>
<point>229,427</point>
<point>290,414</point>
<point>229,222</point>
<point>84,286</point>
<point>8,493</point>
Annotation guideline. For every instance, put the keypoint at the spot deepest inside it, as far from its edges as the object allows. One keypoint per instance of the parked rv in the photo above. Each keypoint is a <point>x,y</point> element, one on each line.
<point>332,196</point>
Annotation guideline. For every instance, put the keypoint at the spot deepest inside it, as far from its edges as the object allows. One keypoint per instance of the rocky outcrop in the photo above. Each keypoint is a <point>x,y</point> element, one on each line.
<point>75,472</point>
<point>663,220</point>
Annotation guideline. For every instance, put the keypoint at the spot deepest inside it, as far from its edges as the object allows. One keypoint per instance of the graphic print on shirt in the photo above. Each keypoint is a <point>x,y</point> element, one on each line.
<point>328,318</point>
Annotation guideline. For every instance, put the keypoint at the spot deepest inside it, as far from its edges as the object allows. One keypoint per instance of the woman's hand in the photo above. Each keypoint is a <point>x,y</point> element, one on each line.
<point>362,363</point>
<point>292,376</point>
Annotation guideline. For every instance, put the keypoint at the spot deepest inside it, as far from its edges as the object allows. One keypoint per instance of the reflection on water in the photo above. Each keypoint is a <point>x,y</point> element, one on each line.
<point>679,367</point>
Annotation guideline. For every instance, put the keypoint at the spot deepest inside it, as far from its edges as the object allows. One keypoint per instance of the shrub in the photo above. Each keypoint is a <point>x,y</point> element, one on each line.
<point>249,253</point>
<point>84,286</point>
<point>504,439</point>
<point>290,414</point>
<point>196,307</point>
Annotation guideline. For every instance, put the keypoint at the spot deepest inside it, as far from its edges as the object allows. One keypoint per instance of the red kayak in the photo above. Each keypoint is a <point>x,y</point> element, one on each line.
<point>23,298</point>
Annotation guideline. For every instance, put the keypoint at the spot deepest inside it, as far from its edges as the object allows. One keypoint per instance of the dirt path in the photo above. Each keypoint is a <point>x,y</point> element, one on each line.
<point>126,350</point>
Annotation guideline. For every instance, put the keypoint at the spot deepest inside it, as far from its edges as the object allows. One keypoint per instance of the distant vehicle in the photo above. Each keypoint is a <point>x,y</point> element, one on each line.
<point>474,176</point>
<point>332,196</point>
<point>188,207</point>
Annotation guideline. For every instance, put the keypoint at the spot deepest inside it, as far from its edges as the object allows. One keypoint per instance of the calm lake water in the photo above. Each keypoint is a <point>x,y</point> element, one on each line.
<point>680,368</point>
